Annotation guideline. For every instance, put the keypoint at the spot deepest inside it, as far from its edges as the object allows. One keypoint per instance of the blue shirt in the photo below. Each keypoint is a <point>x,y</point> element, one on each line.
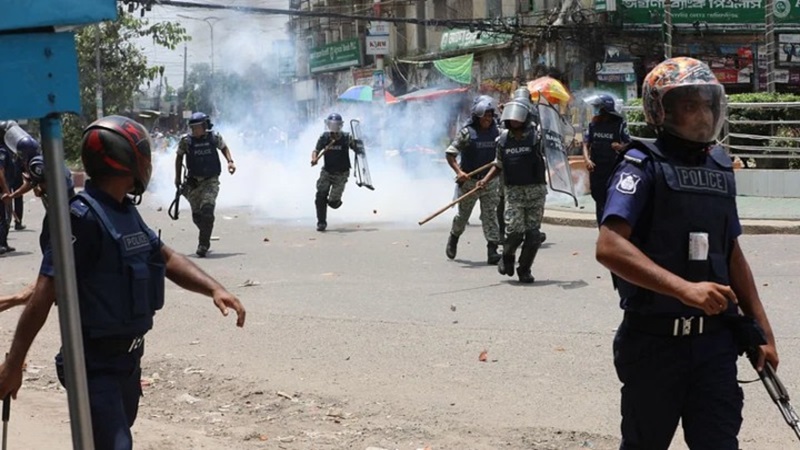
<point>630,192</point>
<point>8,166</point>
<point>85,231</point>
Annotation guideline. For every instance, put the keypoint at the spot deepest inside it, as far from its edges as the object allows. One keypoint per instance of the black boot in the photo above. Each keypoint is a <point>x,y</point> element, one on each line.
<point>492,257</point>
<point>506,264</point>
<point>205,225</point>
<point>533,240</point>
<point>452,246</point>
<point>321,203</point>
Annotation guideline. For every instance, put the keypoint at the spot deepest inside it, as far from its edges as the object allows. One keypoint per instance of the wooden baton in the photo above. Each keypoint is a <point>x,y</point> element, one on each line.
<point>446,207</point>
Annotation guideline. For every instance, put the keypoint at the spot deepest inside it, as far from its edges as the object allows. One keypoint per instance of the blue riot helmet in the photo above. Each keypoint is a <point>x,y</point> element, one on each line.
<point>603,103</point>
<point>27,148</point>
<point>201,118</point>
<point>36,169</point>
<point>334,122</point>
<point>482,104</point>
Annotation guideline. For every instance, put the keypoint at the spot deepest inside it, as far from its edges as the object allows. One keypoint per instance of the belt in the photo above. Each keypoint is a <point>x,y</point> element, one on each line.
<point>674,326</point>
<point>114,346</point>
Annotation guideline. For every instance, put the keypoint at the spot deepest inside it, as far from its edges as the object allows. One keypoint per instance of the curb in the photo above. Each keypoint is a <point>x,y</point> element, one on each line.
<point>749,226</point>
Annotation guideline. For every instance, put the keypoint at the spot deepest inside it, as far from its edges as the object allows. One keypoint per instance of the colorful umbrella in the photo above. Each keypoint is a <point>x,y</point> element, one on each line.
<point>551,89</point>
<point>364,94</point>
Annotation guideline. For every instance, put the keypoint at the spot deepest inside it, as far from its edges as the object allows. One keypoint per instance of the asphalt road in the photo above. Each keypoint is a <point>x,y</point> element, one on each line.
<point>373,315</point>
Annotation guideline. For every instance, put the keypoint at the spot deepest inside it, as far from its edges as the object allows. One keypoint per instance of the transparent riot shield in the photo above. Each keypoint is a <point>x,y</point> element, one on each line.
<point>361,167</point>
<point>557,136</point>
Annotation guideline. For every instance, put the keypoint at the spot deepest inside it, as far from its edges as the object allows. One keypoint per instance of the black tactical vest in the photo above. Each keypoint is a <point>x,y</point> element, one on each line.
<point>523,163</point>
<point>482,148</point>
<point>603,133</point>
<point>685,199</point>
<point>202,159</point>
<point>121,295</point>
<point>337,157</point>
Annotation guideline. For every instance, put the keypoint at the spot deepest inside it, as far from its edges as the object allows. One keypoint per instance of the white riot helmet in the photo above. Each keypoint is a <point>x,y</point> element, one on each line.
<point>515,110</point>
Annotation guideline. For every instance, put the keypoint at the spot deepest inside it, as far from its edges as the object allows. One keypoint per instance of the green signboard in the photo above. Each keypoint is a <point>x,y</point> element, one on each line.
<point>335,56</point>
<point>460,39</point>
<point>709,11</point>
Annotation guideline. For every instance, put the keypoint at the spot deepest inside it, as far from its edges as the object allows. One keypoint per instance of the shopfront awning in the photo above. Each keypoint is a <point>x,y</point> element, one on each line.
<point>431,93</point>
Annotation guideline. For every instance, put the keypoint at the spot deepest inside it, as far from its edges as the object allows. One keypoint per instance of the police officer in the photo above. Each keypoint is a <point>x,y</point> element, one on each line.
<point>604,138</point>
<point>519,157</point>
<point>120,267</point>
<point>7,176</point>
<point>333,147</point>
<point>33,179</point>
<point>202,182</point>
<point>670,234</point>
<point>475,146</point>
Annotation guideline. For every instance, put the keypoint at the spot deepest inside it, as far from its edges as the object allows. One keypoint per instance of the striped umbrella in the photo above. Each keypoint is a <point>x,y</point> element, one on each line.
<point>549,88</point>
<point>364,94</point>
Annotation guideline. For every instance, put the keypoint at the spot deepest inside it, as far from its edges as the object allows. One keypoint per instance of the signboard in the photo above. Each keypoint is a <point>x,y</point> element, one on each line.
<point>709,11</point>
<point>789,49</point>
<point>378,29</point>
<point>616,72</point>
<point>460,39</point>
<point>377,45</point>
<point>335,56</point>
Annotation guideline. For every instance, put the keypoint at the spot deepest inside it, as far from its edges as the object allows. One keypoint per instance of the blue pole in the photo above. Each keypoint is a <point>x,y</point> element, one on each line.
<point>66,285</point>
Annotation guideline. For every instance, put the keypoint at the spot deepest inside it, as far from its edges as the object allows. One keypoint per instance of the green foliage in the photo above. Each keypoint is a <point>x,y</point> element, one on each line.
<point>744,114</point>
<point>124,68</point>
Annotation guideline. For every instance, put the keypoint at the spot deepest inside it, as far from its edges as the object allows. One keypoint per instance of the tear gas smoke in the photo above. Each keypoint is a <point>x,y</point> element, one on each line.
<point>271,146</point>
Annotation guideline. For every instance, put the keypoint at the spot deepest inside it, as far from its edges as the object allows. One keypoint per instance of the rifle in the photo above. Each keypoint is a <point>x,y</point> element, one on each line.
<point>776,390</point>
<point>175,206</point>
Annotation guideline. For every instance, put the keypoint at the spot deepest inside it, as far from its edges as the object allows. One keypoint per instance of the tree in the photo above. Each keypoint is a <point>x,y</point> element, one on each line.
<point>124,68</point>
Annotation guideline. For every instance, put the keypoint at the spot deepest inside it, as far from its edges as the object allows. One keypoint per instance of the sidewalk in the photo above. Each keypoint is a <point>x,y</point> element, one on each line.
<point>759,215</point>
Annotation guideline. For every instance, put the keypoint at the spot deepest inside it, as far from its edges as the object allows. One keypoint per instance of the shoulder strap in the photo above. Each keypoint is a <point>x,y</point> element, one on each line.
<point>92,204</point>
<point>721,157</point>
<point>503,138</point>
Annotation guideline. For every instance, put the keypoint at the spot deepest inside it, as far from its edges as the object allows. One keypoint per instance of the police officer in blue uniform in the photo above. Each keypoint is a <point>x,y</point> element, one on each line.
<point>669,233</point>
<point>201,186</point>
<point>333,146</point>
<point>606,136</point>
<point>120,266</point>
<point>7,176</point>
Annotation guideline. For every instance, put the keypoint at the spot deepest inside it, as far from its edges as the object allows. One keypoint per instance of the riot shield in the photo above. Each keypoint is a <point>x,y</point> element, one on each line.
<point>361,167</point>
<point>556,140</point>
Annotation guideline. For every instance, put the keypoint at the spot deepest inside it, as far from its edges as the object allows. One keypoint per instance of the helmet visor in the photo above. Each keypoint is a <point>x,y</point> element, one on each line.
<point>515,110</point>
<point>695,113</point>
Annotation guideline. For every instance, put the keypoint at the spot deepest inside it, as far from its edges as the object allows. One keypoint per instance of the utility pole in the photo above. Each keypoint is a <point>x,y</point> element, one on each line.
<point>668,28</point>
<point>98,102</point>
<point>184,67</point>
<point>769,37</point>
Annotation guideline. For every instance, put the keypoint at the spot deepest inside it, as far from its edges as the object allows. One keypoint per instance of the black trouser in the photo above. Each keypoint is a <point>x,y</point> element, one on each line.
<point>598,183</point>
<point>5,220</point>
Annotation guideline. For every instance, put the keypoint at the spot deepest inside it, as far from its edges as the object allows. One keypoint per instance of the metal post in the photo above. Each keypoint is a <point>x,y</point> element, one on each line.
<point>98,72</point>
<point>211,27</point>
<point>668,29</point>
<point>769,37</point>
<point>66,285</point>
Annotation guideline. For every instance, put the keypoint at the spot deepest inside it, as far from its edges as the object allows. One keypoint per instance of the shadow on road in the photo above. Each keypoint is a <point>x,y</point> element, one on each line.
<point>349,230</point>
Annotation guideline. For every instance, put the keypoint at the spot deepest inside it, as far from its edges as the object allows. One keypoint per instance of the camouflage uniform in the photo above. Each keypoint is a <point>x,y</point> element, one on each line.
<point>521,161</point>
<point>489,196</point>
<point>332,183</point>
<point>201,192</point>
<point>334,173</point>
<point>524,207</point>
